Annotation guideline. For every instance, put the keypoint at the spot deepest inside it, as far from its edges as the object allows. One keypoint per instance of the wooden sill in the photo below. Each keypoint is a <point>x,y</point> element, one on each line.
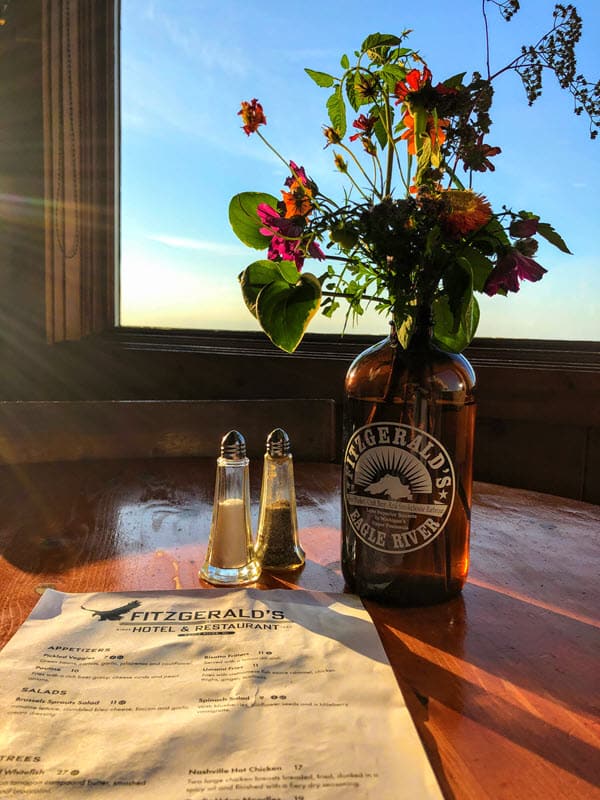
<point>559,355</point>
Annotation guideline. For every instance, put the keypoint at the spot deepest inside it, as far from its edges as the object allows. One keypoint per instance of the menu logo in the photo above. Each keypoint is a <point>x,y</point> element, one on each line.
<point>398,487</point>
<point>112,614</point>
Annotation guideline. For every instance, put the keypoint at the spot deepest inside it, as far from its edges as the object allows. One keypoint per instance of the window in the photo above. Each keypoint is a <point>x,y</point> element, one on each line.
<point>186,66</point>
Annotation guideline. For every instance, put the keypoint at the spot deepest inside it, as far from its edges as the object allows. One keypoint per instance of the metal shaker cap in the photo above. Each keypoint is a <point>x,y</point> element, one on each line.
<point>233,446</point>
<point>278,443</point>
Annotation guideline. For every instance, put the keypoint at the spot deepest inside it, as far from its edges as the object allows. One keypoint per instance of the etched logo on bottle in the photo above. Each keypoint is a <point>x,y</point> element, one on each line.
<point>398,486</point>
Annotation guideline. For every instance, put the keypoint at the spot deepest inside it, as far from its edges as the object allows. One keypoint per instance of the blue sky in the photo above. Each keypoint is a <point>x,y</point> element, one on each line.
<point>187,65</point>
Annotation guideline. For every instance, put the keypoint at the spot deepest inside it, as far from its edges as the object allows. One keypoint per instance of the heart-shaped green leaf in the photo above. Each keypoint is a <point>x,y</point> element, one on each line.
<point>255,277</point>
<point>454,341</point>
<point>481,266</point>
<point>244,219</point>
<point>288,271</point>
<point>284,310</point>
<point>458,285</point>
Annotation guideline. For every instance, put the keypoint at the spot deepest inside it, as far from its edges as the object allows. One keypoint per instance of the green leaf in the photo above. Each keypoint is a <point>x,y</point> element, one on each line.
<point>423,144</point>
<point>379,40</point>
<point>480,267</point>
<point>494,233</point>
<point>351,92</point>
<point>336,109</point>
<point>404,329</point>
<point>288,271</point>
<point>244,219</point>
<point>391,74</point>
<point>345,62</point>
<point>381,134</point>
<point>455,82</point>
<point>420,117</point>
<point>284,311</point>
<point>528,215</point>
<point>431,242</point>
<point>330,308</point>
<point>443,333</point>
<point>550,235</point>
<point>320,78</point>
<point>458,285</point>
<point>254,278</point>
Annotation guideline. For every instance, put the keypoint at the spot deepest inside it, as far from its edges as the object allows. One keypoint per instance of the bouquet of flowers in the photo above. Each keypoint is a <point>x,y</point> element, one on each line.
<point>410,230</point>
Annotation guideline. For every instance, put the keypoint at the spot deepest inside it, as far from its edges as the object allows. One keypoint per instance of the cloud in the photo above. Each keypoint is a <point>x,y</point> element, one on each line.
<point>184,243</point>
<point>198,35</point>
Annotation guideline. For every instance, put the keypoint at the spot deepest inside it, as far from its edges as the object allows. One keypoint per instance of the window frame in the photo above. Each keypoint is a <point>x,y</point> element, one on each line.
<point>80,62</point>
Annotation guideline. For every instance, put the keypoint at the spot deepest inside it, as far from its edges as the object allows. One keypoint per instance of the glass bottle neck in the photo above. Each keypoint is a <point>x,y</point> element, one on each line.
<point>423,328</point>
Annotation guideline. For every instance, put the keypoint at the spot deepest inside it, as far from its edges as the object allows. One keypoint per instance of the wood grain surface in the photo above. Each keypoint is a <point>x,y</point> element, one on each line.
<point>502,683</point>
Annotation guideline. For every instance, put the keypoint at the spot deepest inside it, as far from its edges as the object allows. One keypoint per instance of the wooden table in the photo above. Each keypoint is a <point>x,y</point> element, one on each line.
<point>503,682</point>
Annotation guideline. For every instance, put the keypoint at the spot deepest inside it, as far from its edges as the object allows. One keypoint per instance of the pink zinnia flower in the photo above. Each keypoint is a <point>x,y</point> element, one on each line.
<point>275,224</point>
<point>314,251</point>
<point>286,238</point>
<point>511,268</point>
<point>298,174</point>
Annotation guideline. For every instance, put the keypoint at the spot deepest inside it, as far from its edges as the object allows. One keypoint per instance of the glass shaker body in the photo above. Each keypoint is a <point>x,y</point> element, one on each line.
<point>230,558</point>
<point>277,545</point>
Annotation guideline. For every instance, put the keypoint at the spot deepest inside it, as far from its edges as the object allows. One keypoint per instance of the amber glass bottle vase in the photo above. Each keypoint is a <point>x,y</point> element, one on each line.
<point>409,418</point>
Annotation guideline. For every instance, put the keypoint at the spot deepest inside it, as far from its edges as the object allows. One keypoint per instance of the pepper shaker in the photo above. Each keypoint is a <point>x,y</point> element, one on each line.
<point>277,545</point>
<point>230,558</point>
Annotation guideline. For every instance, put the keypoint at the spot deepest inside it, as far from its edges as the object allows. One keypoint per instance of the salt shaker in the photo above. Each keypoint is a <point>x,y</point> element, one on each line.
<point>277,545</point>
<point>230,558</point>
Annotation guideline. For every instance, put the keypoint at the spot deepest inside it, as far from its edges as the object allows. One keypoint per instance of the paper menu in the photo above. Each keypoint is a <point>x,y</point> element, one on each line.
<point>218,694</point>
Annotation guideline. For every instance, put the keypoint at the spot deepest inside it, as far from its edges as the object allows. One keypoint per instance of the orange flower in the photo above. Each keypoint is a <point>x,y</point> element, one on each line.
<point>467,211</point>
<point>301,190</point>
<point>435,132</point>
<point>252,115</point>
<point>297,201</point>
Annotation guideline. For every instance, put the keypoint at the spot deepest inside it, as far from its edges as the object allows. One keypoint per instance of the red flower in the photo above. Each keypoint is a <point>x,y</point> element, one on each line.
<point>446,91</point>
<point>511,268</point>
<point>412,83</point>
<point>523,228</point>
<point>478,156</point>
<point>252,116</point>
<point>364,124</point>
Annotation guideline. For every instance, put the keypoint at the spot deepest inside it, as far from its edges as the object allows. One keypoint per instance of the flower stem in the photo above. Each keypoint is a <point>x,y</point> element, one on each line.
<point>391,149</point>
<point>360,166</point>
<point>270,146</point>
